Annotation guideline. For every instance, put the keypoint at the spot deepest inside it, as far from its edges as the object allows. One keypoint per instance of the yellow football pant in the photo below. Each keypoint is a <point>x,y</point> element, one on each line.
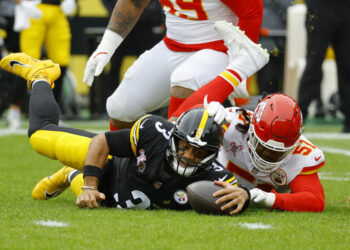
<point>51,30</point>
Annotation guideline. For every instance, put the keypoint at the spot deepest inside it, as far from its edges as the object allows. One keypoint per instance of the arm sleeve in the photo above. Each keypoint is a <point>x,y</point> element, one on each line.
<point>119,143</point>
<point>250,14</point>
<point>306,195</point>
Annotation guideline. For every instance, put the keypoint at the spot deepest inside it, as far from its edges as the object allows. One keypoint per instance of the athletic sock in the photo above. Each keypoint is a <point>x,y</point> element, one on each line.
<point>174,104</point>
<point>76,182</point>
<point>111,126</point>
<point>217,90</point>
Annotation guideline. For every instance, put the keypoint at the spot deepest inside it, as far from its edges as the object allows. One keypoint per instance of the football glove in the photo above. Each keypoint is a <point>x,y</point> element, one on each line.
<point>68,6</point>
<point>98,60</point>
<point>262,198</point>
<point>239,92</point>
<point>215,109</point>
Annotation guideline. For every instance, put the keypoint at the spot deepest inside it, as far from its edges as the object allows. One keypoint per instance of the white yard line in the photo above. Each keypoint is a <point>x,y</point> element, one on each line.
<point>336,151</point>
<point>51,223</point>
<point>328,136</point>
<point>255,226</point>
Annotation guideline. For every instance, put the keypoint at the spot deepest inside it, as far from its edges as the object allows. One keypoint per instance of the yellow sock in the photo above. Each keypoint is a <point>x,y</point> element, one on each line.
<point>76,184</point>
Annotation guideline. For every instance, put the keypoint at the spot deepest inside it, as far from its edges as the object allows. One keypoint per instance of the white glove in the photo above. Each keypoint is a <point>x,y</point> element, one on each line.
<point>215,109</point>
<point>30,10</point>
<point>239,92</point>
<point>68,6</point>
<point>101,56</point>
<point>262,198</point>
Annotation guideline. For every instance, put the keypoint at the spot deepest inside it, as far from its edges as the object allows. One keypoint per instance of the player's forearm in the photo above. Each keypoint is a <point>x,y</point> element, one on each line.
<point>306,195</point>
<point>95,161</point>
<point>300,202</point>
<point>98,152</point>
<point>125,15</point>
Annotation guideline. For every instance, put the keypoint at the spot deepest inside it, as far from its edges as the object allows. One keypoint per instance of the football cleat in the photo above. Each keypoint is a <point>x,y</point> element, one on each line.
<point>31,69</point>
<point>246,57</point>
<point>52,186</point>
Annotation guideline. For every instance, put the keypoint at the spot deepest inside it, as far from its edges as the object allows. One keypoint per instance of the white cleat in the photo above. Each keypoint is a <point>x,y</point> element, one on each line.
<point>246,57</point>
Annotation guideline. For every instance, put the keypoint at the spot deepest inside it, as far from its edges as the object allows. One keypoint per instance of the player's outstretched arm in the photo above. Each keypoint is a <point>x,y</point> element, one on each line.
<point>93,169</point>
<point>236,196</point>
<point>306,195</point>
<point>124,17</point>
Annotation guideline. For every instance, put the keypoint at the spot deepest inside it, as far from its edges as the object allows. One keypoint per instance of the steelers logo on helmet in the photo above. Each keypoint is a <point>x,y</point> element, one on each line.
<point>274,131</point>
<point>196,129</point>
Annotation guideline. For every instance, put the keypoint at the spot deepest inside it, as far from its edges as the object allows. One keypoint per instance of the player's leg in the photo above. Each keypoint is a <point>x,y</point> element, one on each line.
<point>32,39</point>
<point>340,41</point>
<point>68,145</point>
<point>319,28</point>
<point>53,185</point>
<point>58,44</point>
<point>145,88</point>
<point>197,70</point>
<point>245,57</point>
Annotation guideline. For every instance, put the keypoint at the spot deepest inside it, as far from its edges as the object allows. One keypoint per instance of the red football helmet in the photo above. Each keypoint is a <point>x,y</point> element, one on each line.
<point>274,131</point>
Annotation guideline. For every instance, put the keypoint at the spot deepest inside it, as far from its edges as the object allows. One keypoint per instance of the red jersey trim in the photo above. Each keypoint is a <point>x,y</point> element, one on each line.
<point>311,170</point>
<point>181,47</point>
<point>240,171</point>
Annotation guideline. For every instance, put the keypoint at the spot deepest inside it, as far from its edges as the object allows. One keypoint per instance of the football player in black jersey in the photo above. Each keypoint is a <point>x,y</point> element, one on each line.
<point>147,166</point>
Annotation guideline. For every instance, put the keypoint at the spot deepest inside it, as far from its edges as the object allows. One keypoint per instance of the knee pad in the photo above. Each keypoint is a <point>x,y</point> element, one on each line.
<point>183,77</point>
<point>120,110</point>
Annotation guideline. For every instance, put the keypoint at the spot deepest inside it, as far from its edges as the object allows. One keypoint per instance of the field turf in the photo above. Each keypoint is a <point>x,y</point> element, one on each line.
<point>59,224</point>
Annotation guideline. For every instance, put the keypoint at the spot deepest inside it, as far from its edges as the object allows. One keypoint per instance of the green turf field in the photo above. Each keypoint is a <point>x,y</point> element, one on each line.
<point>59,224</point>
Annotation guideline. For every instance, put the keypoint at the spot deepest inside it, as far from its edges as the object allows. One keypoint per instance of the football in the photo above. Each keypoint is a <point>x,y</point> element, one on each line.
<point>200,197</point>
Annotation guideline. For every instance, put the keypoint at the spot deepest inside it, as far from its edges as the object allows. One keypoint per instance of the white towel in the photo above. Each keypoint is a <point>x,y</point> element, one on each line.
<point>23,12</point>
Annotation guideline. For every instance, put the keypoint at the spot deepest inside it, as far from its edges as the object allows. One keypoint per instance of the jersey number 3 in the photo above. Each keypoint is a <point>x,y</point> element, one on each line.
<point>192,10</point>
<point>136,194</point>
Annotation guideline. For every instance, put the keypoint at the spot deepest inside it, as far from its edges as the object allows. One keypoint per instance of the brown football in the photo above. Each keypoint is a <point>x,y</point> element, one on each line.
<point>200,197</point>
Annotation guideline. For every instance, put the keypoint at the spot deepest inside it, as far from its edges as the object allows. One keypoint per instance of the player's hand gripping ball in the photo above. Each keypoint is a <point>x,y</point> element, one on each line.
<point>200,197</point>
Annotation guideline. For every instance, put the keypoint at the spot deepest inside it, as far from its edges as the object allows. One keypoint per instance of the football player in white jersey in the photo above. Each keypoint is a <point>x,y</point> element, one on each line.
<point>268,154</point>
<point>264,149</point>
<point>191,54</point>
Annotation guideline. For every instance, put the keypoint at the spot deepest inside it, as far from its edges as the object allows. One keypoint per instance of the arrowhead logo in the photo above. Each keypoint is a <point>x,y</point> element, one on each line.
<point>14,62</point>
<point>51,195</point>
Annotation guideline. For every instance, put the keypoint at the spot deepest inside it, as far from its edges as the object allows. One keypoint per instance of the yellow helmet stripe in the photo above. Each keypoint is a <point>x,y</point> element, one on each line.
<point>202,124</point>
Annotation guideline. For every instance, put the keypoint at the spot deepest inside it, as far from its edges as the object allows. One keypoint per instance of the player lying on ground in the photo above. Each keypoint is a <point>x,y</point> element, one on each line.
<point>267,152</point>
<point>264,149</point>
<point>235,41</point>
<point>147,166</point>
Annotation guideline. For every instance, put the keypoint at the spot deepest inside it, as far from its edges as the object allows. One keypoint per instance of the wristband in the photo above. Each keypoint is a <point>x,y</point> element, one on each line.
<point>110,41</point>
<point>90,170</point>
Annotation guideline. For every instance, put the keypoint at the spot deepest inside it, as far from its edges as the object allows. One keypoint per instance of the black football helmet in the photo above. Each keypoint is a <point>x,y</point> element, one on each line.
<point>199,130</point>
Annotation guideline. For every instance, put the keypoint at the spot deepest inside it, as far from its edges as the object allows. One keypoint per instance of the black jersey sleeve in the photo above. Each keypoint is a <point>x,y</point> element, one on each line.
<point>119,143</point>
<point>151,133</point>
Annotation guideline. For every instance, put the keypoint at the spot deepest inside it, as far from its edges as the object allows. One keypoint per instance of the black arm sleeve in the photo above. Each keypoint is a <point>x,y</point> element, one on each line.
<point>119,143</point>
